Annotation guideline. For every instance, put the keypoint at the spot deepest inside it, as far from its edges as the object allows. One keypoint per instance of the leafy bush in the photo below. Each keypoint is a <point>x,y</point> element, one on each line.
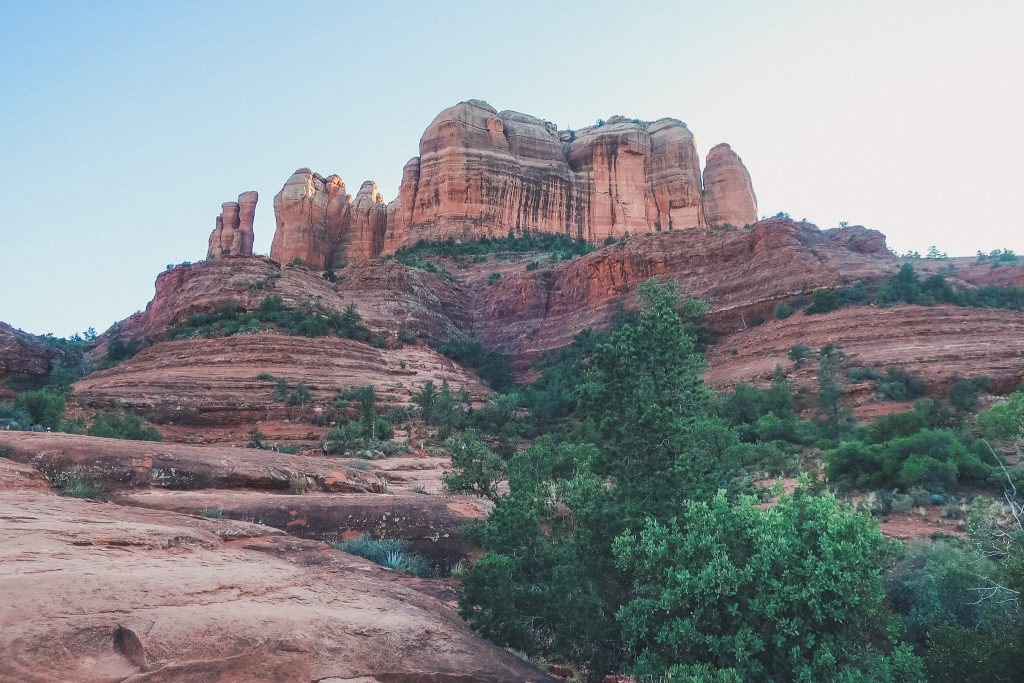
<point>934,459</point>
<point>899,385</point>
<point>122,426</point>
<point>388,552</point>
<point>406,336</point>
<point>799,353</point>
<point>12,417</point>
<point>211,512</point>
<point>783,310</point>
<point>963,393</point>
<point>493,278</point>
<point>44,406</point>
<point>710,588</point>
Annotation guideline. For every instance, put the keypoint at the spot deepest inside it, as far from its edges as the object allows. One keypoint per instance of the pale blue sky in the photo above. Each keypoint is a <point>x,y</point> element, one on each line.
<point>125,125</point>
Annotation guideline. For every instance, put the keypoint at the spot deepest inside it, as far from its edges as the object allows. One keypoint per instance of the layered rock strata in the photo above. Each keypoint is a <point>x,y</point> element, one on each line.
<point>233,233</point>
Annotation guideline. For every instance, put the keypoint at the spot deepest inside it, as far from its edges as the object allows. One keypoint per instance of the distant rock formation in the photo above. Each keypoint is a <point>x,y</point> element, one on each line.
<point>481,172</point>
<point>233,235</point>
<point>728,195</point>
<point>321,224</point>
<point>484,172</point>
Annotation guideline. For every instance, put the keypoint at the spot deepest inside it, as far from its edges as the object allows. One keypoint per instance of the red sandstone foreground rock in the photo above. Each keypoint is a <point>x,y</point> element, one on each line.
<point>100,592</point>
<point>308,496</point>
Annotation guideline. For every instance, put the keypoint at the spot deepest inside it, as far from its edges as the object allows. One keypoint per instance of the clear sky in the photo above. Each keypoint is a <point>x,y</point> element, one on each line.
<point>125,125</point>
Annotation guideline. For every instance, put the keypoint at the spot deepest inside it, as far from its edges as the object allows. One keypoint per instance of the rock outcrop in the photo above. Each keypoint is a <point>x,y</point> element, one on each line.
<point>481,172</point>
<point>728,195</point>
<point>233,234</point>
<point>319,223</point>
<point>161,596</point>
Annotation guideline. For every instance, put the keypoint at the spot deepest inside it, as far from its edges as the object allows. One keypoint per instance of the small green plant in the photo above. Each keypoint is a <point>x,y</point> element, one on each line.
<point>74,484</point>
<point>211,512</point>
<point>256,438</point>
<point>406,336</point>
<point>299,396</point>
<point>534,265</point>
<point>298,484</point>
<point>388,552</point>
<point>493,278</point>
<point>783,310</point>
<point>799,353</point>
<point>420,490</point>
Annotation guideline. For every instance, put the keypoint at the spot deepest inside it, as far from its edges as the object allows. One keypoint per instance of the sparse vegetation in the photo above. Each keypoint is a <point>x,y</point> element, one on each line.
<point>388,552</point>
<point>75,484</point>
<point>227,320</point>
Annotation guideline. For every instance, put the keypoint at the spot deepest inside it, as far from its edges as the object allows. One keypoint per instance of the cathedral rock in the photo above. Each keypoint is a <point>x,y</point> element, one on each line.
<point>483,172</point>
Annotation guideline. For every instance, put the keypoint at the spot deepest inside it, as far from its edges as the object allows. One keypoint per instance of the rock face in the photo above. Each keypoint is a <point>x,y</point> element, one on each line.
<point>162,596</point>
<point>728,195</point>
<point>481,171</point>
<point>21,354</point>
<point>321,224</point>
<point>484,172</point>
<point>233,235</point>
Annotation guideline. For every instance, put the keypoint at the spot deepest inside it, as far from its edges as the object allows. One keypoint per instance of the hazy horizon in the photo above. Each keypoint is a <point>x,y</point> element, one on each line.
<point>125,126</point>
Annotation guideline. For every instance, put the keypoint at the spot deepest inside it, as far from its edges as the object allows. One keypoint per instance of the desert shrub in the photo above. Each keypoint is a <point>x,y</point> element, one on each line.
<point>211,512</point>
<point>493,278</point>
<point>799,353</point>
<point>933,459</point>
<point>44,406</point>
<point>899,385</point>
<point>963,393</point>
<point>861,374</point>
<point>388,552</point>
<point>756,319</point>
<point>299,396</point>
<point>74,484</point>
<point>298,484</point>
<point>122,426</point>
<point>420,490</point>
<point>783,310</point>
<point>406,336</point>
<point>12,417</point>
<point>532,265</point>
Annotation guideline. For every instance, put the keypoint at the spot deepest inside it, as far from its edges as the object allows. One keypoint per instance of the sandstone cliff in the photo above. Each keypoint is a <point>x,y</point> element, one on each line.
<point>484,172</point>
<point>321,224</point>
<point>233,235</point>
<point>481,171</point>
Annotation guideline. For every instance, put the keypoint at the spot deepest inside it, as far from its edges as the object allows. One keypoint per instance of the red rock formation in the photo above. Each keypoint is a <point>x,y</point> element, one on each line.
<point>233,234</point>
<point>484,172</point>
<point>728,195</point>
<point>21,354</point>
<point>936,342</point>
<point>320,223</point>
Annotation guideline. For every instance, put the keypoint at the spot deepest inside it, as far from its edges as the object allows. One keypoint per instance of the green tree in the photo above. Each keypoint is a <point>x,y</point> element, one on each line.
<point>475,468</point>
<point>792,593</point>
